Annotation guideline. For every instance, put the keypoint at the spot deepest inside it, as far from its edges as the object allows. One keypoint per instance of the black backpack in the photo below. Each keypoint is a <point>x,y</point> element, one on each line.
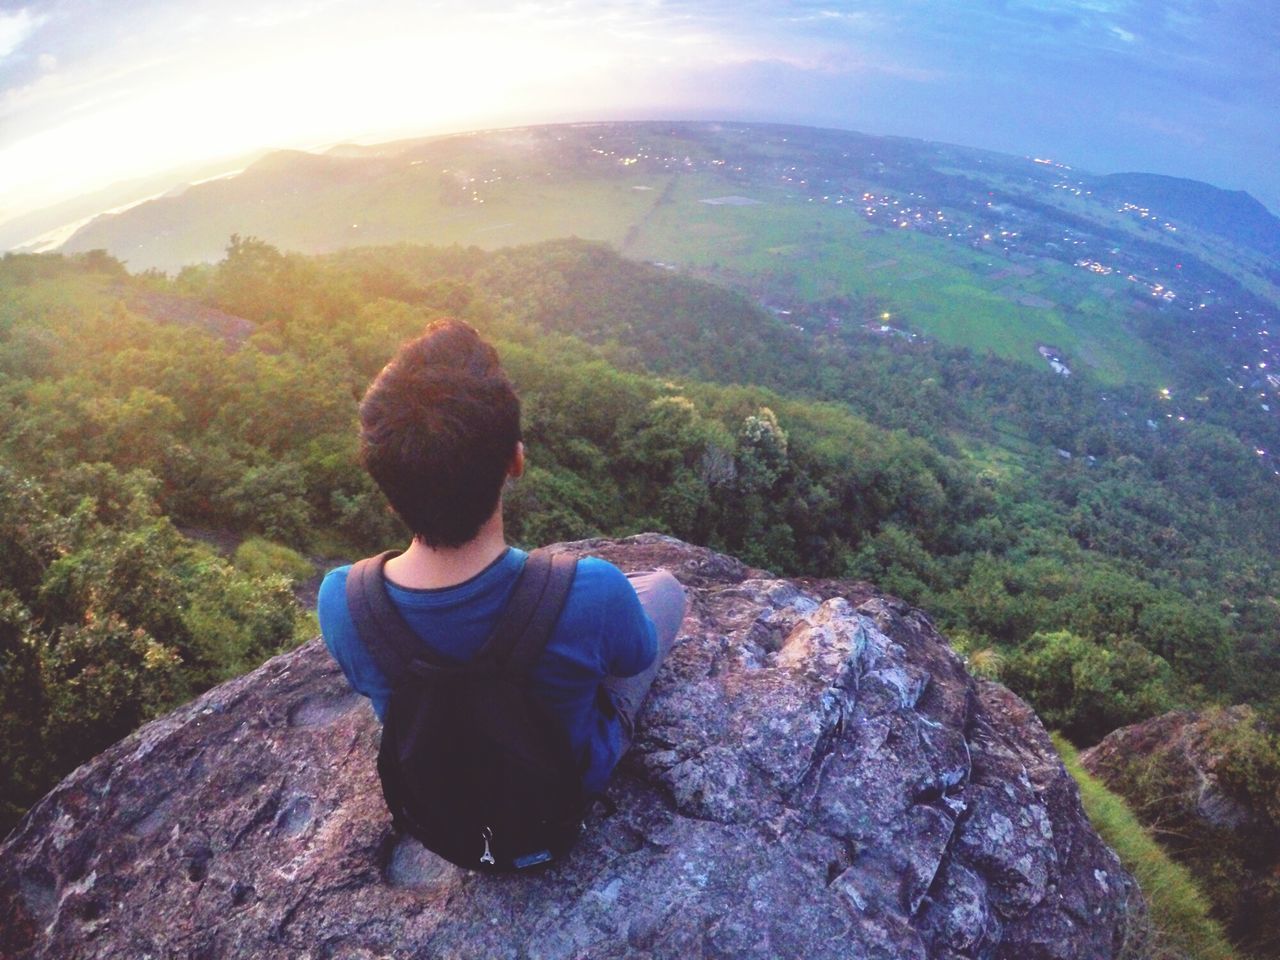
<point>471,764</point>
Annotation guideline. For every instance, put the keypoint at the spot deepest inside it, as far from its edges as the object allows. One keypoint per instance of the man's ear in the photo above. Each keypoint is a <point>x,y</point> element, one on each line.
<point>516,469</point>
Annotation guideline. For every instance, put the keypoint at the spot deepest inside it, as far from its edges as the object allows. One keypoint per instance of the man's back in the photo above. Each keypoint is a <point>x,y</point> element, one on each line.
<point>602,631</point>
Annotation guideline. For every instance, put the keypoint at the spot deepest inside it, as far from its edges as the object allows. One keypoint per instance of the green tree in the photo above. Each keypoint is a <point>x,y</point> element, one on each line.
<point>102,678</point>
<point>23,763</point>
<point>1086,690</point>
<point>272,500</point>
<point>762,452</point>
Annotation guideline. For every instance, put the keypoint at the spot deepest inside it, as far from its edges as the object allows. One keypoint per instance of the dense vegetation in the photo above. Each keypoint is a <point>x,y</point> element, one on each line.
<point>1135,575</point>
<point>1156,544</point>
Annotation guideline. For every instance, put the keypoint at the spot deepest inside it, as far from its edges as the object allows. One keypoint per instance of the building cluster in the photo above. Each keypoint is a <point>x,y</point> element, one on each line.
<point>1054,358</point>
<point>1142,213</point>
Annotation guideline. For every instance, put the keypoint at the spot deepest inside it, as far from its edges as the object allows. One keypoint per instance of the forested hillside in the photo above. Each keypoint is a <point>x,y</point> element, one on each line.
<point>1107,569</point>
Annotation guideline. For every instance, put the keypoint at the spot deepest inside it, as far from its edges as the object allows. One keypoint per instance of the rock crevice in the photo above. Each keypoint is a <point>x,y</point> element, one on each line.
<point>814,775</point>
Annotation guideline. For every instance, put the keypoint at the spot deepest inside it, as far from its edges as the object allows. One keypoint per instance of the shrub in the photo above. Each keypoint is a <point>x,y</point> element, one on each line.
<point>257,557</point>
<point>236,621</point>
<point>1085,689</point>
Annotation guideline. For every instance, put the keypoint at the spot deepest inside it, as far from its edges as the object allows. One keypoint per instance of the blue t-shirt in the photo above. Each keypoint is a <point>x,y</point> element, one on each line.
<point>602,631</point>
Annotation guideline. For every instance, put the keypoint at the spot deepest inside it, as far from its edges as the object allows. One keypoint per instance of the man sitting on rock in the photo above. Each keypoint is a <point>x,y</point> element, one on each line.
<point>440,434</point>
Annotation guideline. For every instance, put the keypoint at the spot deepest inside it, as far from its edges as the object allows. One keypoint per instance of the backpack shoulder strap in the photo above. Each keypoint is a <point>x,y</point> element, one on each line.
<point>522,631</point>
<point>530,616</point>
<point>390,641</point>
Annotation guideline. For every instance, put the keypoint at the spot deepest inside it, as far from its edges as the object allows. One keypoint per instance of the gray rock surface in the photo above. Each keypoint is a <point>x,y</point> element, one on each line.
<point>1174,772</point>
<point>1181,743</point>
<point>815,776</point>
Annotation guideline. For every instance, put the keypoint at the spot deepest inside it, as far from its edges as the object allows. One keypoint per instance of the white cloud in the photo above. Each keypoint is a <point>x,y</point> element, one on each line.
<point>48,62</point>
<point>860,17</point>
<point>15,28</point>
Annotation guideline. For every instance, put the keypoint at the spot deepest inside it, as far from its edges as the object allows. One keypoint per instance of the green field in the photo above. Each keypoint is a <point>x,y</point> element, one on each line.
<point>937,287</point>
<point>784,246</point>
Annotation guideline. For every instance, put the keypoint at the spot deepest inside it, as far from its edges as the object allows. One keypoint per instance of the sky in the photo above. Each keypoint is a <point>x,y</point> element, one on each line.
<point>94,92</point>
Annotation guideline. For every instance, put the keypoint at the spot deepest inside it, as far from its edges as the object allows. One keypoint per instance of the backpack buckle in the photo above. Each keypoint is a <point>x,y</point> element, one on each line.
<point>487,834</point>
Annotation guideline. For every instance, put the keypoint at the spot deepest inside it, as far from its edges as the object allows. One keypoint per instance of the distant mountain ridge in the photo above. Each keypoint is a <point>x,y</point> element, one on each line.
<point>47,227</point>
<point>1233,214</point>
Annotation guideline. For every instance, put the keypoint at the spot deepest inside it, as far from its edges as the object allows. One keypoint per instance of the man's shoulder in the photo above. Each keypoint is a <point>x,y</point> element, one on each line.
<point>599,580</point>
<point>596,583</point>
<point>336,577</point>
<point>596,571</point>
<point>333,588</point>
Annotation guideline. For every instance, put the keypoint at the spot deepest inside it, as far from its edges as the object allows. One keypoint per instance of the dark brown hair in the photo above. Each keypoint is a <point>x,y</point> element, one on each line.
<point>438,429</point>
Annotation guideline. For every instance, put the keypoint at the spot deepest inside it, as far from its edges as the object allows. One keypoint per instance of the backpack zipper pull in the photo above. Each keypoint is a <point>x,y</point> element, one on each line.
<point>487,833</point>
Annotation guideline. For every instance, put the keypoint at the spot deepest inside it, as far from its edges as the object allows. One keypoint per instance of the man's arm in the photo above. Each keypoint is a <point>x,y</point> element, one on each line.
<point>633,638</point>
<point>343,641</point>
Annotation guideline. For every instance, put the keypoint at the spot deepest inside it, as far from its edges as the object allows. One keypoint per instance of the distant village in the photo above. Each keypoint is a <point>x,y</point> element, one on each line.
<point>1019,233</point>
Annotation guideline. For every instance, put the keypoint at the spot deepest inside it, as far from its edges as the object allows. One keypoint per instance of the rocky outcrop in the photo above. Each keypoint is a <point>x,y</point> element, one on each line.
<point>184,311</point>
<point>815,776</point>
<point>1197,779</point>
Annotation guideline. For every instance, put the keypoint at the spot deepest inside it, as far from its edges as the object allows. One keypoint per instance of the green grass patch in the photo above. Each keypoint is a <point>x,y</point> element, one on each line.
<point>1005,458</point>
<point>1181,925</point>
<point>262,558</point>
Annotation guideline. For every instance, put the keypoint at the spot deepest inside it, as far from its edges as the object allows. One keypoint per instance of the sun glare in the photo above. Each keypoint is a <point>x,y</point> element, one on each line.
<point>360,81</point>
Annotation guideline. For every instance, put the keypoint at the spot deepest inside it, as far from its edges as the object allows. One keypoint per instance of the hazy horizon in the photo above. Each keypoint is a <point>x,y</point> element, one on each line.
<point>91,96</point>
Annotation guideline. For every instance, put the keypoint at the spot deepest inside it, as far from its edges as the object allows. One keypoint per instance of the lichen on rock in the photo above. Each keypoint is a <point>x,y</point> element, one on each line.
<point>814,775</point>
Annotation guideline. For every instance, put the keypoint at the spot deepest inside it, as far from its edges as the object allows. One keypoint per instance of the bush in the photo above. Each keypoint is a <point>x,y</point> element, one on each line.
<point>272,500</point>
<point>1250,766</point>
<point>1085,689</point>
<point>23,773</point>
<point>1245,864</point>
<point>257,557</point>
<point>236,621</point>
<point>101,680</point>
<point>545,506</point>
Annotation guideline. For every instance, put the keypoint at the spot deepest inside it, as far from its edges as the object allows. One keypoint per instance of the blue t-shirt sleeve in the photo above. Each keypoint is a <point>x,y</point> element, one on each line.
<point>344,644</point>
<point>631,640</point>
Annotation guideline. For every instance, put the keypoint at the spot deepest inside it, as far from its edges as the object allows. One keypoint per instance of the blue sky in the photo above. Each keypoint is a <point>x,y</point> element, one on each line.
<point>93,92</point>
